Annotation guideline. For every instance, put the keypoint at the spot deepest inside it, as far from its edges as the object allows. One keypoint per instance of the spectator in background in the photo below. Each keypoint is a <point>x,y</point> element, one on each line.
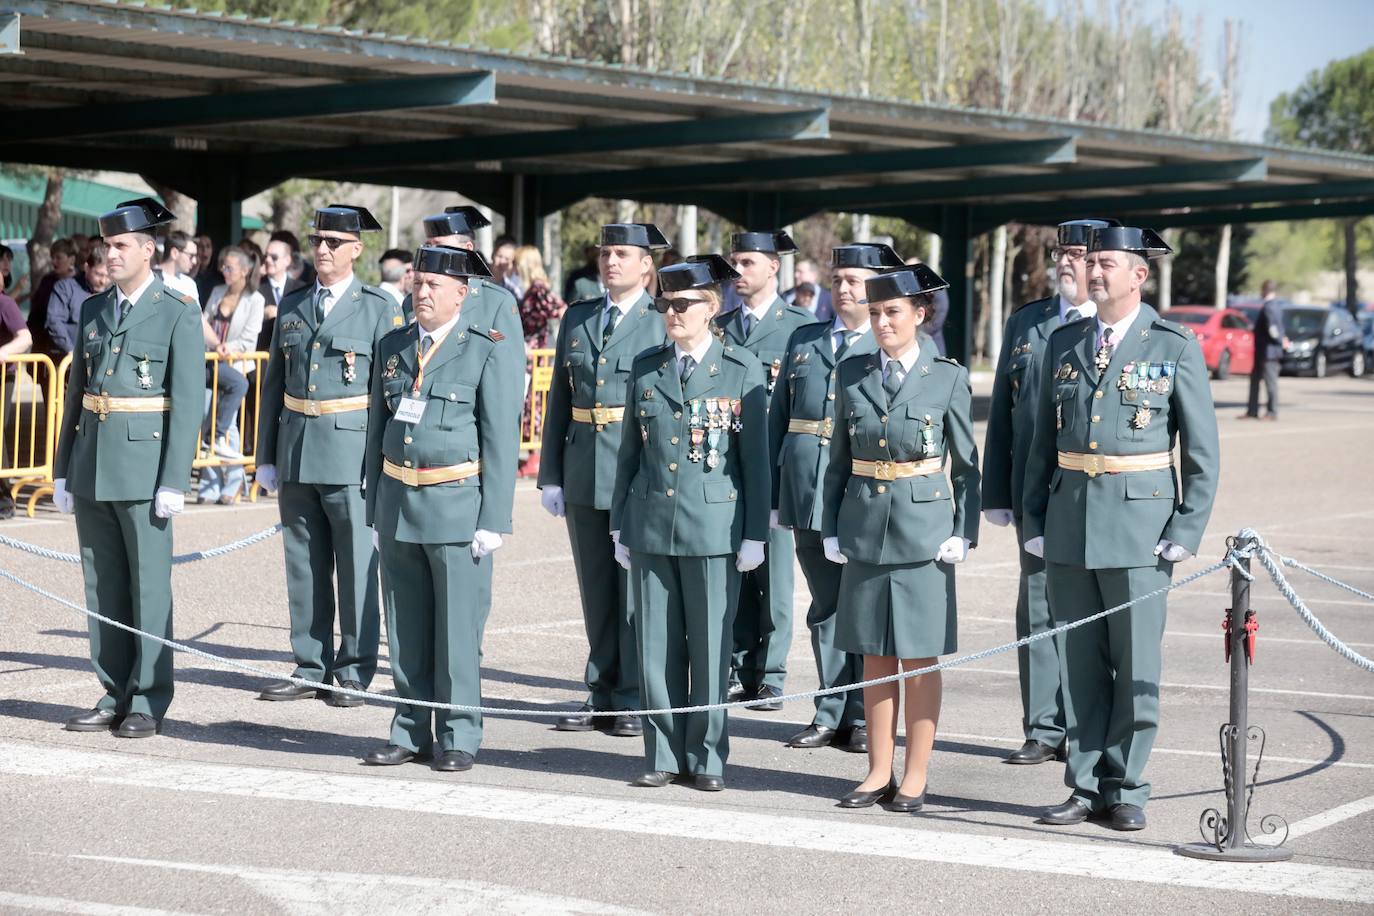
<point>397,273</point>
<point>1270,342</point>
<point>669,258</point>
<point>804,296</point>
<point>14,339</point>
<point>6,267</point>
<point>177,254</point>
<point>807,275</point>
<point>276,283</point>
<point>232,320</point>
<point>539,307</point>
<point>934,326</point>
<point>585,282</point>
<point>63,256</point>
<point>63,321</point>
<point>84,244</point>
<point>301,271</point>
<point>204,272</point>
<point>503,266</point>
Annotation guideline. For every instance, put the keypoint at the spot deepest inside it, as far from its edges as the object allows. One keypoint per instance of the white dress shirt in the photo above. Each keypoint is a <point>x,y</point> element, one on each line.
<point>1086,310</point>
<point>136,294</point>
<point>1118,330</point>
<point>335,293</point>
<point>838,331</point>
<point>907,359</point>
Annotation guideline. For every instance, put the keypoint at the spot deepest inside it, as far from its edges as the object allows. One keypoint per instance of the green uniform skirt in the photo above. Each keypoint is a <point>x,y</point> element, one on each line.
<point>900,611</point>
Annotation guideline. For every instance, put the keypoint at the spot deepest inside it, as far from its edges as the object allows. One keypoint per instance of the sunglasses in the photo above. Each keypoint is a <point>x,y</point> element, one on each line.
<point>662,304</point>
<point>331,241</point>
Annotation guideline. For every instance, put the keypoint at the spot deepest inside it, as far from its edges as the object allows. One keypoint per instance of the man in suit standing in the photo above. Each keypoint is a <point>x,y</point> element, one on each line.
<point>762,325</point>
<point>598,341</point>
<point>1011,424</point>
<point>1270,344</point>
<point>808,274</point>
<point>129,427</point>
<point>1110,514</point>
<point>312,432</point>
<point>277,284</point>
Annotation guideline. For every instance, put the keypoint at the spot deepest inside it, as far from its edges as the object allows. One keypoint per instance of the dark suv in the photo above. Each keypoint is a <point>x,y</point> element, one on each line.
<point>1323,340</point>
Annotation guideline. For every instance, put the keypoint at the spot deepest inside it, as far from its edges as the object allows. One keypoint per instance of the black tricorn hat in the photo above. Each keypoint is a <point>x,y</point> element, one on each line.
<point>866,255</point>
<point>903,283</point>
<point>141,215</point>
<point>1076,231</point>
<point>455,221</point>
<point>778,242</point>
<point>696,272</point>
<point>452,262</point>
<point>642,235</point>
<point>345,218</point>
<point>1144,242</point>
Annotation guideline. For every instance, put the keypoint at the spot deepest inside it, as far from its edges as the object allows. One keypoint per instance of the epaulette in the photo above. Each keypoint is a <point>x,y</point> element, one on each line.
<point>1077,325</point>
<point>730,354</point>
<point>654,351</point>
<point>948,359</point>
<point>594,300</point>
<point>1182,330</point>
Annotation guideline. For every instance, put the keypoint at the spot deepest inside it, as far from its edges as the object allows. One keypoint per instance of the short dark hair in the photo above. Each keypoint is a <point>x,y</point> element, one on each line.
<point>286,237</point>
<point>504,239</point>
<point>173,240</point>
<point>96,256</point>
<point>64,247</point>
<point>397,254</point>
<point>6,251</point>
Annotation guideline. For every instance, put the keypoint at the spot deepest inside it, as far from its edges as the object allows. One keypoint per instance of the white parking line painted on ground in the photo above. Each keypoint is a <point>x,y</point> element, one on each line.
<point>1334,816</point>
<point>698,822</point>
<point>65,905</point>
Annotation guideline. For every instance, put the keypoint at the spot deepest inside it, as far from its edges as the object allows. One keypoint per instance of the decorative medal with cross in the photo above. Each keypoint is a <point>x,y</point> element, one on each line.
<point>350,369</point>
<point>1142,416</point>
<point>390,371</point>
<point>928,439</point>
<point>144,369</point>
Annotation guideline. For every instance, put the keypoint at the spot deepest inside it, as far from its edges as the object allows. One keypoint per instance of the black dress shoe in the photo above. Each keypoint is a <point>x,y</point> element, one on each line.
<point>452,762</point>
<point>285,690</point>
<point>654,779</point>
<point>577,722</point>
<point>1127,817</point>
<point>708,783</point>
<point>812,736</point>
<point>854,740</point>
<point>343,700</point>
<point>905,804</point>
<point>737,692</point>
<point>768,697</point>
<point>867,799</point>
<point>1033,752</point>
<point>1073,811</point>
<point>392,755</point>
<point>627,727</point>
<point>138,725</point>
<point>97,720</point>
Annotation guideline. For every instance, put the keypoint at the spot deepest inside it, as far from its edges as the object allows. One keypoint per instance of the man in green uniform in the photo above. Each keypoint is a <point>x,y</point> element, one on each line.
<point>129,427</point>
<point>443,428</point>
<point>1011,423</point>
<point>312,430</point>
<point>801,423</point>
<point>1110,514</point>
<point>598,341</point>
<point>762,325</point>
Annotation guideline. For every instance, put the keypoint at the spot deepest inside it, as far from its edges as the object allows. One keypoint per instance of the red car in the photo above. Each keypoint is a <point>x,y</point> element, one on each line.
<point>1228,342</point>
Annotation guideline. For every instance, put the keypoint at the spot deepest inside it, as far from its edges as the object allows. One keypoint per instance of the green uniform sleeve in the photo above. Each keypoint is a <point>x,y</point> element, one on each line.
<point>838,471</point>
<point>758,478</point>
<point>270,404</point>
<point>779,413</point>
<point>71,407</point>
<point>1199,449</point>
<point>500,402</point>
<point>186,390</point>
<point>997,445</point>
<point>963,459</point>
<point>1043,456</point>
<point>627,461</point>
<point>557,416</point>
<point>377,418</point>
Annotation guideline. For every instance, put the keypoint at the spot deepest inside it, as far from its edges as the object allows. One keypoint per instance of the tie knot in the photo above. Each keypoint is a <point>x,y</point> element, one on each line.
<point>1072,315</point>
<point>426,341</point>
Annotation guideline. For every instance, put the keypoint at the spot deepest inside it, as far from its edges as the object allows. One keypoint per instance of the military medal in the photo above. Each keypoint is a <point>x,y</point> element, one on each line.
<point>773,374</point>
<point>694,453</point>
<point>350,372</point>
<point>738,425</point>
<point>716,426</point>
<point>390,371</point>
<point>145,378</point>
<point>1103,359</point>
<point>1142,416</point>
<point>928,439</point>
<point>1058,417</point>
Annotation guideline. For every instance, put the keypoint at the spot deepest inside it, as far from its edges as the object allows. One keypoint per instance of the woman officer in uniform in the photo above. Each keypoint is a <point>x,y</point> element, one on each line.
<point>690,513</point>
<point>896,524</point>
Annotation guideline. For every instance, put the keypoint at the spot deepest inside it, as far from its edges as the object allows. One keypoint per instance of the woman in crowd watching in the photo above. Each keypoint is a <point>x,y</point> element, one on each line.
<point>231,322</point>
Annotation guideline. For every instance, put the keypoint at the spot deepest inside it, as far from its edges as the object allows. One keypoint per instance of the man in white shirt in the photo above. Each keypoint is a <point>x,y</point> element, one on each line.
<point>397,273</point>
<point>177,252</point>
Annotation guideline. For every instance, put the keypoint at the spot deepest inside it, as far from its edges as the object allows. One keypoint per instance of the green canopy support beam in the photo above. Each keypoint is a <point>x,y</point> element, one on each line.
<point>810,124</point>
<point>956,266</point>
<point>1335,210</point>
<point>271,105</point>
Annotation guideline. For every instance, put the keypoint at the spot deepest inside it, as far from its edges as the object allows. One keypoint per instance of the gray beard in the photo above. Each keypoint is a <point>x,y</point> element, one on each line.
<point>1068,288</point>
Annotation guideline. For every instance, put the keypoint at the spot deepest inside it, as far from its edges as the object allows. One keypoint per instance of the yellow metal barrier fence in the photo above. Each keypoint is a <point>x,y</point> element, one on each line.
<point>540,368</point>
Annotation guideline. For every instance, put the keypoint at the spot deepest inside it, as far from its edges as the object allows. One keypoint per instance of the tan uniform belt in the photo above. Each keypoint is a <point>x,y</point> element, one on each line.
<point>105,405</point>
<point>891,470</point>
<point>823,428</point>
<point>1092,465</point>
<point>600,416</point>
<point>423,477</point>
<point>320,408</point>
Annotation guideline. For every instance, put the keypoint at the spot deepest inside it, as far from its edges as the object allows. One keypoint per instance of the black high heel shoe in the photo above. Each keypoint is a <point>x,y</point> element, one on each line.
<point>861,799</point>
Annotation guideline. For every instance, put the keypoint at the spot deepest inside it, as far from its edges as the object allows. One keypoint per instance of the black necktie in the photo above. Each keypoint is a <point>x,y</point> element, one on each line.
<point>688,364</point>
<point>612,319</point>
<point>1072,315</point>
<point>125,307</point>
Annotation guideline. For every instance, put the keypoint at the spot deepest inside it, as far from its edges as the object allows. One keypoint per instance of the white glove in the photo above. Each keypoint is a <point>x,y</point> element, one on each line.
<point>773,520</point>
<point>750,556</point>
<point>953,550</point>
<point>484,542</point>
<point>168,502</point>
<point>622,553</point>
<point>1174,553</point>
<point>552,500</point>
<point>832,551</point>
<point>376,540</point>
<point>64,501</point>
<point>1035,547</point>
<point>999,517</point>
<point>266,476</point>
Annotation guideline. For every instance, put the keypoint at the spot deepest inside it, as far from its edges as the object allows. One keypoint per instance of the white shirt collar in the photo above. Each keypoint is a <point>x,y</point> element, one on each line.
<point>138,293</point>
<point>907,359</point>
<point>335,292</point>
<point>440,332</point>
<point>1086,310</point>
<point>1120,328</point>
<point>837,327</point>
<point>630,300</point>
<point>759,313</point>
<point>699,354</point>
<point>393,291</point>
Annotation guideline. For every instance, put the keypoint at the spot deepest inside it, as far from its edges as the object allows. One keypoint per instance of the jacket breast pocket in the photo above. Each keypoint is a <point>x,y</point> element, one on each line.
<point>355,359</point>
<point>145,362</point>
<point>291,342</point>
<point>923,432</point>
<point>454,403</point>
<point>864,428</point>
<point>1017,375</point>
<point>1143,415</point>
<point>1065,406</point>
<point>90,353</point>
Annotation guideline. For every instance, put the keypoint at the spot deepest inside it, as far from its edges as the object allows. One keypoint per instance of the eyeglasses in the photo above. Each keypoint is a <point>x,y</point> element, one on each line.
<point>331,241</point>
<point>662,304</point>
<point>1073,254</point>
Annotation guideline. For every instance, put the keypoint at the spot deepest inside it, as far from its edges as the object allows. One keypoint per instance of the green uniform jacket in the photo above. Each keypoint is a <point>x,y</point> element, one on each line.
<point>904,520</point>
<point>313,362</point>
<point>1115,520</point>
<point>806,391</point>
<point>580,457</point>
<point>667,504</point>
<point>158,351</point>
<point>472,412</point>
<point>1011,423</point>
<point>768,339</point>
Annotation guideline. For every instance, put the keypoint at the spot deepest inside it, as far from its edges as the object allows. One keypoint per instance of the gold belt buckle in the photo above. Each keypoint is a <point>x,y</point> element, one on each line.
<point>410,476</point>
<point>601,416</point>
<point>102,406</point>
<point>312,408</point>
<point>1094,465</point>
<point>884,470</point>
<point>827,427</point>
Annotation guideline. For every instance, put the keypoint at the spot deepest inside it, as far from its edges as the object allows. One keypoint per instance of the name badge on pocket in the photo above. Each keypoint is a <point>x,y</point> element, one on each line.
<point>410,410</point>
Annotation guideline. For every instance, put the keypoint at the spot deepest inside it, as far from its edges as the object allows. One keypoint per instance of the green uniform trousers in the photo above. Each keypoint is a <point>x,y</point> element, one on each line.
<point>1111,677</point>
<point>763,624</point>
<point>612,658</point>
<point>437,599</point>
<point>1042,699</point>
<point>684,608</point>
<point>833,667</point>
<point>324,532</point>
<point>126,556</point>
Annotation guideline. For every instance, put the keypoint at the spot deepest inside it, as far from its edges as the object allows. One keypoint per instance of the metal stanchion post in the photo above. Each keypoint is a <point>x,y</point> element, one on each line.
<point>1228,836</point>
